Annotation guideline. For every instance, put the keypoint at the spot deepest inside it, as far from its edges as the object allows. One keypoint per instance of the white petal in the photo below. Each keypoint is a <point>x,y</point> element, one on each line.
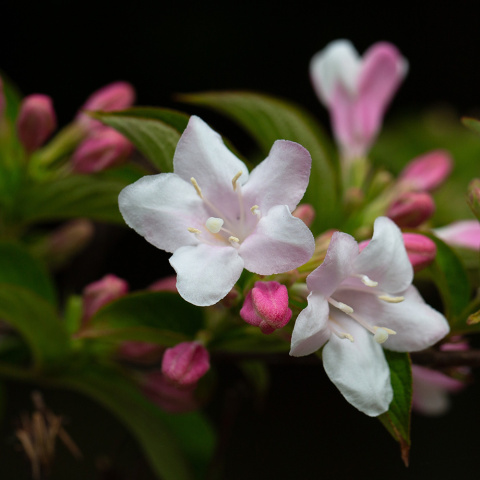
<point>162,208</point>
<point>205,273</point>
<point>311,330</point>
<point>279,243</point>
<point>359,370</point>
<point>385,259</point>
<point>281,179</point>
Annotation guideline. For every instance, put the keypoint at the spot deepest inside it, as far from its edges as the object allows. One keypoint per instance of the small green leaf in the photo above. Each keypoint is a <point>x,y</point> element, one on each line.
<point>268,119</point>
<point>153,137</point>
<point>18,267</point>
<point>37,322</point>
<point>451,279</point>
<point>472,123</point>
<point>397,419</point>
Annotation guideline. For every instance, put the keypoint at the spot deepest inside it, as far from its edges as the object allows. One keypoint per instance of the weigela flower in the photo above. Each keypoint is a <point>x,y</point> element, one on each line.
<point>356,90</point>
<point>217,219</point>
<point>358,301</point>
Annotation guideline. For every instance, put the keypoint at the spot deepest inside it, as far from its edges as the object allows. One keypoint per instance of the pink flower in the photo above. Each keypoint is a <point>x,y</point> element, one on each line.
<point>36,121</point>
<point>357,90</point>
<point>360,301</point>
<point>217,219</point>
<point>464,233</point>
<point>266,306</point>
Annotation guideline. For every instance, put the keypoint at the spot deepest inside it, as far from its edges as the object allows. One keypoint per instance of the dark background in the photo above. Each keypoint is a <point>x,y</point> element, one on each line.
<point>305,429</point>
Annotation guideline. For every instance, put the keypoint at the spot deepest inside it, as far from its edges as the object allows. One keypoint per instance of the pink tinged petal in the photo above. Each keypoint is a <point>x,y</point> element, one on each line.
<point>337,266</point>
<point>359,370</point>
<point>201,154</point>
<point>411,209</point>
<point>311,327</point>
<point>161,208</point>
<point>383,69</point>
<point>279,243</point>
<point>428,171</point>
<point>281,179</point>
<point>266,306</point>
<point>465,233</point>
<point>205,273</point>
<point>384,259</point>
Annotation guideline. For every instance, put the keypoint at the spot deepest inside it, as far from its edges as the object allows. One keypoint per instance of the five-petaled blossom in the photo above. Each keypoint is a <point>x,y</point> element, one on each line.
<point>356,90</point>
<point>217,219</point>
<point>358,301</point>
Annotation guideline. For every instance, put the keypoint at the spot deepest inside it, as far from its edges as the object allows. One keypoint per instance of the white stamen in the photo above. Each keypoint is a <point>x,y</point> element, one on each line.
<point>214,225</point>
<point>341,306</point>
<point>197,188</point>
<point>390,299</point>
<point>256,211</point>
<point>234,241</point>
<point>234,180</point>
<point>380,335</point>
<point>367,281</point>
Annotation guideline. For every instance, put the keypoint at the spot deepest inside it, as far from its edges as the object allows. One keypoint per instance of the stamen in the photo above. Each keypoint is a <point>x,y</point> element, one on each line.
<point>214,225</point>
<point>390,299</point>
<point>366,281</point>
<point>381,334</point>
<point>234,241</point>
<point>194,230</point>
<point>234,180</point>
<point>341,306</point>
<point>197,188</point>
<point>256,211</point>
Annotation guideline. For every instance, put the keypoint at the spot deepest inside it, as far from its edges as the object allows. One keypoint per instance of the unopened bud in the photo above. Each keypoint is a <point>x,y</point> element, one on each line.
<point>266,306</point>
<point>465,234</point>
<point>305,212</point>
<point>36,121</point>
<point>167,284</point>
<point>101,292</point>
<point>427,172</point>
<point>411,209</point>
<point>114,96</point>
<point>104,149</point>
<point>184,364</point>
<point>421,250</point>
<point>141,352</point>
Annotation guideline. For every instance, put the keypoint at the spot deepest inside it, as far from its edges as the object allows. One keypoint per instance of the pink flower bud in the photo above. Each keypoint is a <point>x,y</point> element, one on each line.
<point>427,172</point>
<point>465,234</point>
<point>141,352</point>
<point>114,96</point>
<point>104,149</point>
<point>184,364</point>
<point>36,121</point>
<point>421,250</point>
<point>305,212</point>
<point>101,292</point>
<point>167,284</point>
<point>168,396</point>
<point>266,306</point>
<point>411,209</point>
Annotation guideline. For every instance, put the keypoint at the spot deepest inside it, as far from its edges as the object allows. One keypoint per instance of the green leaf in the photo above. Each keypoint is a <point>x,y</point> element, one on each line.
<point>449,275</point>
<point>148,424</point>
<point>397,419</point>
<point>18,267</point>
<point>71,197</point>
<point>472,123</point>
<point>268,119</point>
<point>155,138</point>
<point>157,317</point>
<point>37,322</point>
<point>473,198</point>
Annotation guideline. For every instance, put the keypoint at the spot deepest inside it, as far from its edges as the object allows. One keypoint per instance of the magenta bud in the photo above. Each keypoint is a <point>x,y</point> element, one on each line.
<point>166,284</point>
<point>421,250</point>
<point>411,209</point>
<point>266,306</point>
<point>305,212</point>
<point>106,148</point>
<point>115,96</point>
<point>36,121</point>
<point>101,292</point>
<point>185,363</point>
<point>427,172</point>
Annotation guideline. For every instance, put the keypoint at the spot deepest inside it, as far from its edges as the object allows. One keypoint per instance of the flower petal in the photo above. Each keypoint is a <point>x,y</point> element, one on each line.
<point>359,370</point>
<point>280,242</point>
<point>336,267</point>
<point>281,179</point>
<point>201,154</point>
<point>205,273</point>
<point>311,327</point>
<point>385,259</point>
<point>161,208</point>
<point>464,233</point>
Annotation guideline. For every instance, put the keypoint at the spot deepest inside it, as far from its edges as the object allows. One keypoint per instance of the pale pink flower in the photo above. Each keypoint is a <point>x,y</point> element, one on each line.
<point>356,90</point>
<point>358,301</point>
<point>464,233</point>
<point>217,219</point>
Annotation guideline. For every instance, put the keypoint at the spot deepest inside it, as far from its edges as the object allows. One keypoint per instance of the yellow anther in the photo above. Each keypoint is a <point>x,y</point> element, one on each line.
<point>197,188</point>
<point>194,230</point>
<point>233,239</point>
<point>390,299</point>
